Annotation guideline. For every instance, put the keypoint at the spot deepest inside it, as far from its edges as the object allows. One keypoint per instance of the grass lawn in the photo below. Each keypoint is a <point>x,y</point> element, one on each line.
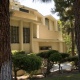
<point>64,77</point>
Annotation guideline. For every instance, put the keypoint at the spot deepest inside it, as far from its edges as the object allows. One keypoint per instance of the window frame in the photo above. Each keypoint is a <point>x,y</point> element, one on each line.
<point>26,35</point>
<point>14,34</point>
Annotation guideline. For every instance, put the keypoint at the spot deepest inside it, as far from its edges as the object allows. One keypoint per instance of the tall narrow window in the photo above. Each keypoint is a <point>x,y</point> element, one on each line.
<point>14,34</point>
<point>26,35</point>
<point>47,22</point>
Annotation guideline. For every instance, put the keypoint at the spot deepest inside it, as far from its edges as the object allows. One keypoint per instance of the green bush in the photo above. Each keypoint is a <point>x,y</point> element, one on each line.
<point>43,55</point>
<point>56,57</point>
<point>33,64</point>
<point>29,63</point>
<point>47,54</point>
<point>64,55</point>
<point>26,62</point>
<point>72,58</point>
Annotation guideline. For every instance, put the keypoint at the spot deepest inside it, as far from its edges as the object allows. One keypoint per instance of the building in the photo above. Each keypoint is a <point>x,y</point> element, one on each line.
<point>33,32</point>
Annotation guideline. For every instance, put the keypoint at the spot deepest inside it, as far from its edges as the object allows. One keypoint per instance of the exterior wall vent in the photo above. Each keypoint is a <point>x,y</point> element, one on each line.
<point>24,10</point>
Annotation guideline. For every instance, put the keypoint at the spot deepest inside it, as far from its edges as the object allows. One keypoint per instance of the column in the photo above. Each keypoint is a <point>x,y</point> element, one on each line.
<point>60,47</point>
<point>56,26</point>
<point>31,37</point>
<point>37,31</point>
<point>21,35</point>
<point>43,20</point>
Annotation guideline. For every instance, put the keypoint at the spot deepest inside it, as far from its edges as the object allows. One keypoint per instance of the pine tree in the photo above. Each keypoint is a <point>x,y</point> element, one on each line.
<point>77,27</point>
<point>64,8</point>
<point>5,51</point>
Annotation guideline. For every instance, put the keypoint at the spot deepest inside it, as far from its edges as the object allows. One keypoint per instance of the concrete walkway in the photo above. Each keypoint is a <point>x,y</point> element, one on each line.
<point>64,66</point>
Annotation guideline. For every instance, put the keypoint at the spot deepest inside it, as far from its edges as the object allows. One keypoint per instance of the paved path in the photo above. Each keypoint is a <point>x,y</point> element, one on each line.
<point>64,66</point>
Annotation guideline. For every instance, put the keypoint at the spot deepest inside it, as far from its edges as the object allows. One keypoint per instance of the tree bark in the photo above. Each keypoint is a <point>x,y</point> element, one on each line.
<point>5,50</point>
<point>77,27</point>
<point>15,72</point>
<point>72,39</point>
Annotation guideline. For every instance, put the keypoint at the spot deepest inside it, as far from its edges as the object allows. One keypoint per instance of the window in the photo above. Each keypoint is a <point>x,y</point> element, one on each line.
<point>45,48</point>
<point>14,34</point>
<point>47,22</point>
<point>24,10</point>
<point>58,27</point>
<point>26,35</point>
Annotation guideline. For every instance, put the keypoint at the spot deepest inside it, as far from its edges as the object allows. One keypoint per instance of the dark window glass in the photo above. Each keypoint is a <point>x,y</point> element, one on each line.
<point>45,47</point>
<point>14,34</point>
<point>47,22</point>
<point>26,35</point>
<point>24,10</point>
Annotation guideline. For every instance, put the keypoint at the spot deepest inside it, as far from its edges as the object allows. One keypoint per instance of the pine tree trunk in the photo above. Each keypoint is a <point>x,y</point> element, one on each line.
<point>77,27</point>
<point>15,72</point>
<point>72,39</point>
<point>5,51</point>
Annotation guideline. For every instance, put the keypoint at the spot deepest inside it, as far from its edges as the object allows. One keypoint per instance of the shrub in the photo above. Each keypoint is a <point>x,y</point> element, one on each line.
<point>25,62</point>
<point>56,57</point>
<point>33,64</point>
<point>47,54</point>
<point>64,55</point>
<point>72,58</point>
<point>43,55</point>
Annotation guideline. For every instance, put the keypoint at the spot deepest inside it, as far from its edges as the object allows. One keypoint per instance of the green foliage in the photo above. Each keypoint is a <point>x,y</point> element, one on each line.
<point>26,62</point>
<point>43,55</point>
<point>22,52</point>
<point>56,57</point>
<point>34,63</point>
<point>63,77</point>
<point>47,54</point>
<point>64,9</point>
<point>73,58</point>
<point>65,55</point>
<point>17,52</point>
<point>18,59</point>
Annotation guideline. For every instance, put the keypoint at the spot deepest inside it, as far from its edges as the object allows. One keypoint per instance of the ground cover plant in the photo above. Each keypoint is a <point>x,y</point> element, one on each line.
<point>64,77</point>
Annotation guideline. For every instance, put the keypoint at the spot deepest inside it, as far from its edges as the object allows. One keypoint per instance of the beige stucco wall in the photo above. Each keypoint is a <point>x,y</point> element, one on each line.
<point>15,46</point>
<point>20,45</point>
<point>26,47</point>
<point>54,45</point>
<point>24,15</point>
<point>52,26</point>
<point>14,22</point>
<point>35,47</point>
<point>44,33</point>
<point>26,24</point>
<point>37,31</point>
<point>60,46</point>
